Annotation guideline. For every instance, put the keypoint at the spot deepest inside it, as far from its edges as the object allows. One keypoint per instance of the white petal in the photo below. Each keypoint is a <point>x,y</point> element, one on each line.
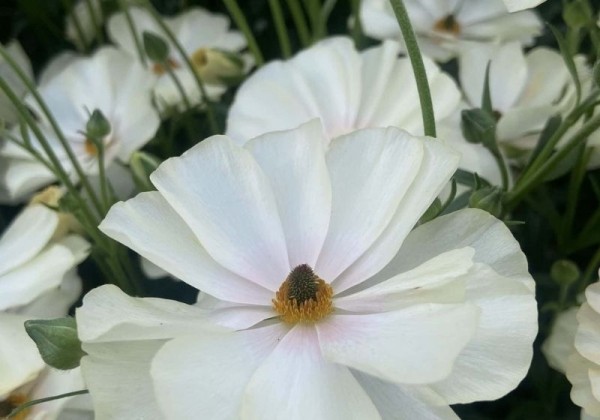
<point>294,162</point>
<point>516,5</point>
<point>295,382</point>
<point>26,236</point>
<point>438,164</point>
<point>429,282</point>
<point>20,361</point>
<point>221,193</point>
<point>118,378</point>
<point>522,26</point>
<point>415,345</point>
<point>109,315</point>
<point>55,303</point>
<point>150,226</point>
<point>371,171</point>
<point>396,402</point>
<point>54,382</point>
<point>19,178</point>
<point>508,75</point>
<point>561,343</point>
<point>119,30</point>
<point>578,373</point>
<point>498,356</point>
<point>204,376</point>
<point>587,339</point>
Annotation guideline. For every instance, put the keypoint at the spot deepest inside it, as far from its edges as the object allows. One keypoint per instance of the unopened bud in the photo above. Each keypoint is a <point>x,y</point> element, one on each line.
<point>564,272</point>
<point>156,48</point>
<point>488,199</point>
<point>97,126</point>
<point>217,66</point>
<point>57,341</point>
<point>142,165</point>
<point>478,126</point>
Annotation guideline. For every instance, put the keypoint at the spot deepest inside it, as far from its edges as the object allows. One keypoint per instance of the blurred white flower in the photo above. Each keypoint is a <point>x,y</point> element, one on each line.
<point>518,5</point>
<point>347,90</point>
<point>560,344</point>
<point>199,32</point>
<point>37,280</point>
<point>81,23</point>
<point>583,367</point>
<point>110,81</point>
<point>442,26</point>
<point>335,309</point>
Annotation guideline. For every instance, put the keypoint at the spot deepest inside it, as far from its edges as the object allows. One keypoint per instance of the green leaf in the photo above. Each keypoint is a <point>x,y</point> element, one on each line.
<point>156,48</point>
<point>568,59</point>
<point>478,126</point>
<point>549,129</point>
<point>57,341</point>
<point>488,199</point>
<point>486,100</point>
<point>142,165</point>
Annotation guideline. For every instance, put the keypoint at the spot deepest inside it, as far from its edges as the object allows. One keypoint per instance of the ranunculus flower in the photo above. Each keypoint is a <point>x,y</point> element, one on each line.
<point>347,90</point>
<point>199,32</point>
<point>110,81</point>
<point>318,301</point>
<point>37,280</point>
<point>442,26</point>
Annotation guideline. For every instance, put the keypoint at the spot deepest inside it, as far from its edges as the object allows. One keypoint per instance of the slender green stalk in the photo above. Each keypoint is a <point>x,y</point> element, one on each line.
<point>178,85</point>
<point>42,400</point>
<point>212,120</point>
<point>282,35</point>
<point>590,270</point>
<point>313,8</point>
<point>133,30</point>
<point>357,30</point>
<point>96,20</point>
<point>77,23</point>
<point>299,22</point>
<point>240,20</point>
<point>53,123</point>
<point>418,67</point>
<point>324,17</point>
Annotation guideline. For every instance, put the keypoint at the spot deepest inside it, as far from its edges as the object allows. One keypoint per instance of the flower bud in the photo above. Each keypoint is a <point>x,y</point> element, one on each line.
<point>142,165</point>
<point>156,48</point>
<point>97,127</point>
<point>478,126</point>
<point>217,66</point>
<point>488,199</point>
<point>57,341</point>
<point>564,272</point>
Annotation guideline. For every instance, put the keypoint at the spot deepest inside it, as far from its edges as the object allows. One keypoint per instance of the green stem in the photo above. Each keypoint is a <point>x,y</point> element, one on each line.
<point>240,20</point>
<point>357,30</point>
<point>212,120</point>
<point>282,35</point>
<point>175,79</point>
<point>591,269</point>
<point>76,22</point>
<point>133,30</point>
<point>314,11</point>
<point>43,400</point>
<point>418,66</point>
<point>96,20</point>
<point>299,22</point>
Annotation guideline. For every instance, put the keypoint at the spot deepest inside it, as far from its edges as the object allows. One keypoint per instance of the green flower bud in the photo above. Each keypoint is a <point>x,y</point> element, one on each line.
<point>432,212</point>
<point>488,199</point>
<point>57,341</point>
<point>217,66</point>
<point>156,48</point>
<point>478,126</point>
<point>97,126</point>
<point>577,14</point>
<point>142,165</point>
<point>564,272</point>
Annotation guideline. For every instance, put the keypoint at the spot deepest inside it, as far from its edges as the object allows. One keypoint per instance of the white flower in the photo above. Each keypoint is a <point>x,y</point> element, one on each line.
<point>37,280</point>
<point>398,323</point>
<point>560,344</point>
<point>110,81</point>
<point>518,5</point>
<point>347,90</point>
<point>88,14</point>
<point>442,26</point>
<point>583,367</point>
<point>197,30</point>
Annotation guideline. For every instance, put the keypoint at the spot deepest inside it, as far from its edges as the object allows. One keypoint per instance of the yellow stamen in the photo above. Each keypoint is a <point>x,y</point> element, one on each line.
<point>90,148</point>
<point>159,69</point>
<point>303,297</point>
<point>12,402</point>
<point>447,24</point>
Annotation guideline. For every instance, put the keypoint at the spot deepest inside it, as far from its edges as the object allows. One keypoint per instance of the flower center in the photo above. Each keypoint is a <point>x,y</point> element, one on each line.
<point>159,68</point>
<point>447,24</point>
<point>12,402</point>
<point>90,148</point>
<point>303,297</point>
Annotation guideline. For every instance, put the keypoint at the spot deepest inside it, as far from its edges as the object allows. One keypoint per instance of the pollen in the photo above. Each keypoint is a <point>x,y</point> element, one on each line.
<point>159,68</point>
<point>12,402</point>
<point>303,297</point>
<point>448,25</point>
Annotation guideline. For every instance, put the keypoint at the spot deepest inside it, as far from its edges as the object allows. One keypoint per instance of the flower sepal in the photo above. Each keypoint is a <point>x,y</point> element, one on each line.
<point>57,341</point>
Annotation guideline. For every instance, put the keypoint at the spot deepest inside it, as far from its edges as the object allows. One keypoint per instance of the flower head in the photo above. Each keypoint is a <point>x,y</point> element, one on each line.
<point>318,300</point>
<point>442,26</point>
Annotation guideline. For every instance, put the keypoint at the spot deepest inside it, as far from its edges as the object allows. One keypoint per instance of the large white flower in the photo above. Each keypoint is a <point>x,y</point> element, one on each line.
<point>37,280</point>
<point>442,26</point>
<point>583,367</point>
<point>110,81</point>
<point>347,90</point>
<point>198,31</point>
<point>303,248</point>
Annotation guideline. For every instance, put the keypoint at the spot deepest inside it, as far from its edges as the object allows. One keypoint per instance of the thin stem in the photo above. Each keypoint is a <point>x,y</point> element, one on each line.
<point>357,30</point>
<point>314,11</point>
<point>300,22</point>
<point>418,66</point>
<point>59,134</point>
<point>43,400</point>
<point>96,20</point>
<point>592,268</point>
<point>240,20</point>
<point>133,30</point>
<point>178,85</point>
<point>212,120</point>
<point>503,169</point>
<point>282,35</point>
<point>76,22</point>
